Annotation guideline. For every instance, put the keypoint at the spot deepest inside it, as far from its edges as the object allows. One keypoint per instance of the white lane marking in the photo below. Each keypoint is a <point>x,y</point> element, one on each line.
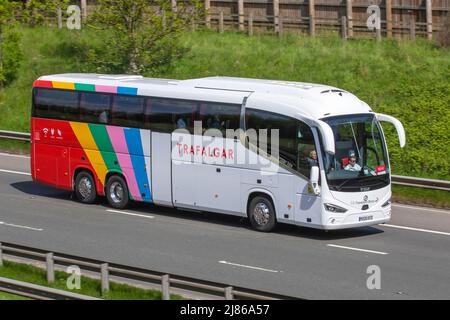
<point>415,229</point>
<point>421,208</point>
<point>15,172</point>
<point>249,267</point>
<point>14,155</point>
<point>19,226</point>
<point>356,249</point>
<point>130,214</point>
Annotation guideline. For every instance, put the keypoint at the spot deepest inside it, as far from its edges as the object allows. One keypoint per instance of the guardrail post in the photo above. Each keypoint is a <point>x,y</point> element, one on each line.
<point>1,255</point>
<point>50,267</point>
<point>229,293</point>
<point>105,277</point>
<point>165,287</point>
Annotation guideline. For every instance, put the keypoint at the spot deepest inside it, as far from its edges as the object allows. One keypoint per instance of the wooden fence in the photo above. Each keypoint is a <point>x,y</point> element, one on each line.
<point>399,18</point>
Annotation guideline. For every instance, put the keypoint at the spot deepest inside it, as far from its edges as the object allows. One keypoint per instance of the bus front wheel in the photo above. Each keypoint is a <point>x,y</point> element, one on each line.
<point>85,187</point>
<point>117,192</point>
<point>261,214</point>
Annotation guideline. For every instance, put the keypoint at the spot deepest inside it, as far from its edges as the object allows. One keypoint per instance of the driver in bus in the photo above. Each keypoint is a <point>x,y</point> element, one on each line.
<point>352,165</point>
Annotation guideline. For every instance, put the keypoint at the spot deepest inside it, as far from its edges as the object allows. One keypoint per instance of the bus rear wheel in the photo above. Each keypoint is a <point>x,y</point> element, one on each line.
<point>261,214</point>
<point>85,189</point>
<point>117,192</point>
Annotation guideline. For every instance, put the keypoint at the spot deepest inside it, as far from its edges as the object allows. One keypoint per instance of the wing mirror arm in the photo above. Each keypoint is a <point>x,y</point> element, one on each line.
<point>398,126</point>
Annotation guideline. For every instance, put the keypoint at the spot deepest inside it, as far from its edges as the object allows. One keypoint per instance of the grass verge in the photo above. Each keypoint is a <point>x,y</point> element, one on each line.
<point>89,286</point>
<point>421,196</point>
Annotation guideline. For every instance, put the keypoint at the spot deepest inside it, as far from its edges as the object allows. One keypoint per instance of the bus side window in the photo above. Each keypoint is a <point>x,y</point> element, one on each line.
<point>166,115</point>
<point>127,111</point>
<point>307,149</point>
<point>220,116</point>
<point>95,107</point>
<point>56,104</point>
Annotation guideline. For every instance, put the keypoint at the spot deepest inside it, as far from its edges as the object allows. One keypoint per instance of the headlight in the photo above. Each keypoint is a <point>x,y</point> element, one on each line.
<point>334,208</point>
<point>386,203</point>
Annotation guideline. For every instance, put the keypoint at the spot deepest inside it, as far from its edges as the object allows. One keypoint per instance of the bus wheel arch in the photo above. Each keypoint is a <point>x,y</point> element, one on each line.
<point>116,190</point>
<point>84,185</point>
<point>261,211</point>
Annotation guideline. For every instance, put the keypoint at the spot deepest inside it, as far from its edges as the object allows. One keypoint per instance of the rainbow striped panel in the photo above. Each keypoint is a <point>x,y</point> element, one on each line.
<point>121,150</point>
<point>85,87</point>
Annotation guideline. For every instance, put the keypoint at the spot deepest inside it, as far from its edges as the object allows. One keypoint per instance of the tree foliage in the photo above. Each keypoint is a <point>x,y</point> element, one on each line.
<point>35,12</point>
<point>141,36</point>
<point>10,50</point>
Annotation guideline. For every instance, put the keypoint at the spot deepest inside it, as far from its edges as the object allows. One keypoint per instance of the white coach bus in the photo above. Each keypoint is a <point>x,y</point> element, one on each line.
<point>299,153</point>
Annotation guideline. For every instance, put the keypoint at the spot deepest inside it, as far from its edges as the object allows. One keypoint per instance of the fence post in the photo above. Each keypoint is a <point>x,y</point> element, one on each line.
<point>229,293</point>
<point>389,18</point>
<point>349,18</point>
<point>344,27</point>
<point>429,20</point>
<point>312,23</point>
<point>412,29</point>
<point>280,26</point>
<point>221,22</point>
<point>250,23</point>
<point>165,284</point>
<point>59,17</point>
<point>1,255</point>
<point>208,13</point>
<point>174,6</point>
<point>241,14</point>
<point>276,16</point>
<point>378,33</point>
<point>83,10</point>
<point>50,267</point>
<point>105,277</point>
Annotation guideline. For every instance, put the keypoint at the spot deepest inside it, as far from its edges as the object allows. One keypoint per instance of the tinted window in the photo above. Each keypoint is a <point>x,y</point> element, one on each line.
<point>127,111</point>
<point>296,141</point>
<point>56,104</point>
<point>220,116</point>
<point>166,115</point>
<point>94,107</point>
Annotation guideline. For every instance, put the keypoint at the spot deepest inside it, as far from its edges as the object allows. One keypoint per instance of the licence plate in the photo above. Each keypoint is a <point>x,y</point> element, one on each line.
<point>366,218</point>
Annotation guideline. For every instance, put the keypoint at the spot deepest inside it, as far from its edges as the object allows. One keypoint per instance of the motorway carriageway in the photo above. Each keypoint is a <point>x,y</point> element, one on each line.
<point>412,251</point>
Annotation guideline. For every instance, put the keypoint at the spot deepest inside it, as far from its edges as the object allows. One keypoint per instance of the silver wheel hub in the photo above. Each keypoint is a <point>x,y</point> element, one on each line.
<point>261,214</point>
<point>116,192</point>
<point>85,187</point>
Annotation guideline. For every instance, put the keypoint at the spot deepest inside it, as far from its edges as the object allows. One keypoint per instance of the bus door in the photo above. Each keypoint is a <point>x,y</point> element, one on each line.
<point>161,168</point>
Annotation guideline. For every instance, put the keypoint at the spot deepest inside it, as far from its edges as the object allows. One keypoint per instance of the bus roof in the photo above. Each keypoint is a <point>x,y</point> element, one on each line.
<point>285,97</point>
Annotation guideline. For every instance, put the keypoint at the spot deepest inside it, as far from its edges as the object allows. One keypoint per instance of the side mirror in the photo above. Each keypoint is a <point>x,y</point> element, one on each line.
<point>314,179</point>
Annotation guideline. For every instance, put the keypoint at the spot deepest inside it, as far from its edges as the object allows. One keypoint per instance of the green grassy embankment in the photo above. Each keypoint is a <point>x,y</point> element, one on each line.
<point>89,286</point>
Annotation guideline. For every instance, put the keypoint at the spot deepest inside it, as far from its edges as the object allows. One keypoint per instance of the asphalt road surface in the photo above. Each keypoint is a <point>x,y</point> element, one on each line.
<point>412,251</point>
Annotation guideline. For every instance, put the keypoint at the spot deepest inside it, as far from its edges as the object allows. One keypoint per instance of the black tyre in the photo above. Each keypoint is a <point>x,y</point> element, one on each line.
<point>117,192</point>
<point>85,189</point>
<point>261,214</point>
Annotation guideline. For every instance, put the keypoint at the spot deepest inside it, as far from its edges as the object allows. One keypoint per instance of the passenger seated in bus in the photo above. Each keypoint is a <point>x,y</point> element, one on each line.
<point>181,123</point>
<point>352,165</point>
<point>103,117</point>
<point>312,158</point>
<point>216,123</point>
